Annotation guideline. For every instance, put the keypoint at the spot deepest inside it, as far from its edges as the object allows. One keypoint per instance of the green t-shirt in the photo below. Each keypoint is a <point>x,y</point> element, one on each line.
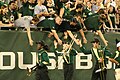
<point>13,15</point>
<point>43,57</point>
<point>5,18</point>
<point>116,56</point>
<point>71,56</point>
<point>93,23</point>
<point>47,23</point>
<point>87,12</point>
<point>67,14</point>
<point>27,9</point>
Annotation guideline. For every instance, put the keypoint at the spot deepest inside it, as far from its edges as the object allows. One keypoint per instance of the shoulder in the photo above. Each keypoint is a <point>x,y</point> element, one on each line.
<point>42,51</point>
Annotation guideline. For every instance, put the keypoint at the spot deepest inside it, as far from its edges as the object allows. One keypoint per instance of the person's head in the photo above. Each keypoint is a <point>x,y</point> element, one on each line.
<point>102,18</point>
<point>89,4</point>
<point>35,20</point>
<point>12,5</point>
<point>118,45</point>
<point>40,44</point>
<point>67,4</point>
<point>45,47</point>
<point>111,9</point>
<point>4,9</point>
<point>95,43</point>
<point>65,45</point>
<point>101,11</point>
<point>79,8</point>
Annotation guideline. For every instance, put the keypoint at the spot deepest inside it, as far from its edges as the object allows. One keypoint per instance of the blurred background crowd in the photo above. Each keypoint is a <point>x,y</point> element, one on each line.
<point>69,15</point>
<point>11,10</point>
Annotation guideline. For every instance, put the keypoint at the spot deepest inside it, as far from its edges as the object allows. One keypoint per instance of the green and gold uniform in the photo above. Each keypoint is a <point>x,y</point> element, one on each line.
<point>43,57</point>
<point>42,70</point>
<point>116,56</point>
<point>96,54</point>
<point>70,57</point>
<point>68,67</point>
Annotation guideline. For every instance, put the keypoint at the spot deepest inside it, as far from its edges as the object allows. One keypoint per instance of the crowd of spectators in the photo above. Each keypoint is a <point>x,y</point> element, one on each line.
<point>62,15</point>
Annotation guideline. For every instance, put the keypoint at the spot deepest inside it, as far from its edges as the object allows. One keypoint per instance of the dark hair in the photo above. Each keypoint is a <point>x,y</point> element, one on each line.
<point>101,11</point>
<point>79,6</point>
<point>95,40</point>
<point>11,2</point>
<point>64,1</point>
<point>46,47</point>
<point>40,42</point>
<point>35,19</point>
<point>113,12</point>
<point>103,17</point>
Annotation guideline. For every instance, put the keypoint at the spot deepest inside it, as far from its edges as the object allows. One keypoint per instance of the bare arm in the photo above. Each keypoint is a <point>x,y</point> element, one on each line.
<point>83,36</point>
<point>6,25</point>
<point>102,37</point>
<point>113,60</point>
<point>56,37</point>
<point>72,37</point>
<point>61,12</point>
<point>29,36</point>
<point>110,22</point>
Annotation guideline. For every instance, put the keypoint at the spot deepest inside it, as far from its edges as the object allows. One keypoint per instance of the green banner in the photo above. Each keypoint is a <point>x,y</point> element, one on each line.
<point>16,55</point>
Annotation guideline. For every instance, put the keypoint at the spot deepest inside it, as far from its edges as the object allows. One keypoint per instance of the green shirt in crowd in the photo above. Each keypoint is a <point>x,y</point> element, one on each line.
<point>93,23</point>
<point>5,18</point>
<point>27,9</point>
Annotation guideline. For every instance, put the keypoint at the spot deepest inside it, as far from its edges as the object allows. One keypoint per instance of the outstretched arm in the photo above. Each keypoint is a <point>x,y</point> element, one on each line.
<point>73,37</point>
<point>102,37</point>
<point>56,36</point>
<point>29,36</point>
<point>114,61</point>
